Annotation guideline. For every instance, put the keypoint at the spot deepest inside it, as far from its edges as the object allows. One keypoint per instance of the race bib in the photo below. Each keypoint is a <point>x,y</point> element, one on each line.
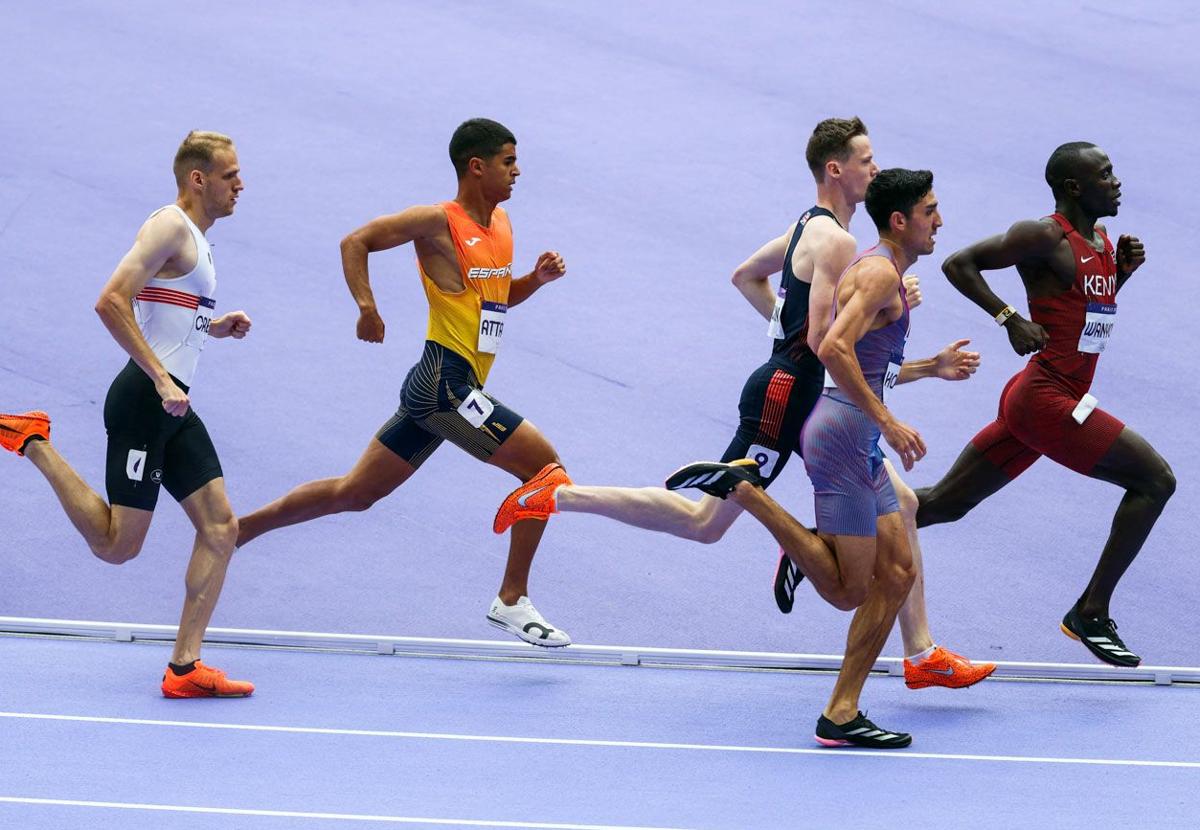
<point>476,408</point>
<point>1097,326</point>
<point>892,373</point>
<point>775,327</point>
<point>201,321</point>
<point>491,326</point>
<point>765,457</point>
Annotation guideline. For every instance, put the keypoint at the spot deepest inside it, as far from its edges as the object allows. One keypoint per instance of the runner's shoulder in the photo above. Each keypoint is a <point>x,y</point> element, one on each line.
<point>876,272</point>
<point>164,229</point>
<point>421,221</point>
<point>1028,239</point>
<point>826,233</point>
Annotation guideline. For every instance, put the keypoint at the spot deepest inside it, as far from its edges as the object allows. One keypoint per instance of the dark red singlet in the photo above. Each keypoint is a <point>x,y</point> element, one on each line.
<point>1034,417</point>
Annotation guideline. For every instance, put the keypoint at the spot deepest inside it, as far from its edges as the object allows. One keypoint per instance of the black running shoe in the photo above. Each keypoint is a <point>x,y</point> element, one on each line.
<point>859,732</point>
<point>787,577</point>
<point>1099,634</point>
<point>715,477</point>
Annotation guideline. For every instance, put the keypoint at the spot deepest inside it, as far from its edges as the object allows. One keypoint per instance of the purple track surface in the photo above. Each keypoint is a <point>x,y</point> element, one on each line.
<point>434,774</point>
<point>661,144</point>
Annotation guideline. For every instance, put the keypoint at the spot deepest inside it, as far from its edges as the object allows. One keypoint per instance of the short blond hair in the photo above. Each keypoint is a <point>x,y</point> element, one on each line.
<point>197,151</point>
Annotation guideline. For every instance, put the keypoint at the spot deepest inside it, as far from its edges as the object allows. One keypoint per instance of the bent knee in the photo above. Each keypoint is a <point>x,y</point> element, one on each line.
<point>852,598</point>
<point>900,576</point>
<point>221,535</point>
<point>1162,483</point>
<point>116,551</point>
<point>706,533</point>
<point>852,594</point>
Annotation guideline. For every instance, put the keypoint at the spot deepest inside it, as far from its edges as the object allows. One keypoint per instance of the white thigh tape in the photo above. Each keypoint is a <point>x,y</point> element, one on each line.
<point>1086,404</point>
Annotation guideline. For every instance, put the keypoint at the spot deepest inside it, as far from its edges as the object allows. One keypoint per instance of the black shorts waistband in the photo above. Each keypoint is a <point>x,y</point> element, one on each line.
<point>131,367</point>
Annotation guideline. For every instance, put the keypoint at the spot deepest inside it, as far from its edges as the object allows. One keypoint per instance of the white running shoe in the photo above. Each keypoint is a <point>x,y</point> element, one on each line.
<point>524,621</point>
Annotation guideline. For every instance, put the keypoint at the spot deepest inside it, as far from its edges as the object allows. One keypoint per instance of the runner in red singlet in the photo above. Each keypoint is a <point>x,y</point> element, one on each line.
<point>1072,275</point>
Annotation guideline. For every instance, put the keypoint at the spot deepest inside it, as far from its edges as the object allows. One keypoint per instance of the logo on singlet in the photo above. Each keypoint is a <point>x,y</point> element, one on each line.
<point>489,273</point>
<point>472,242</point>
<point>1099,285</point>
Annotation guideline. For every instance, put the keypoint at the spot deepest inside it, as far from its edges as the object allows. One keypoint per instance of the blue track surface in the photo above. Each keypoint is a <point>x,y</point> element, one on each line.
<point>661,144</point>
<point>730,760</point>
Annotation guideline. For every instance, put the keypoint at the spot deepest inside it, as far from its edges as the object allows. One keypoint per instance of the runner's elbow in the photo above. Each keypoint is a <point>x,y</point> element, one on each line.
<point>743,276</point>
<point>354,242</point>
<point>107,306</point>
<point>954,267</point>
<point>828,349</point>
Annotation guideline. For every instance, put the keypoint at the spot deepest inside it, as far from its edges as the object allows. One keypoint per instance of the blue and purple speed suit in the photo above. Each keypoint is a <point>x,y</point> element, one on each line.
<point>841,444</point>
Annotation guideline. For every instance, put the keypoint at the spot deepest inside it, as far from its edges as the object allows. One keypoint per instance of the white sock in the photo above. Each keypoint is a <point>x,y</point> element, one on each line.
<point>921,655</point>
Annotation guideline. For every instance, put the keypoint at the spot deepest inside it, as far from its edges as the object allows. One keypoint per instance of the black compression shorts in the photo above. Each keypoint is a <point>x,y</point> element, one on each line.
<point>776,401</point>
<point>148,448</point>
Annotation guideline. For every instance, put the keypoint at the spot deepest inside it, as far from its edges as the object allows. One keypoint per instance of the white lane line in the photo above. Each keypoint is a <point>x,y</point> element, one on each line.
<point>508,739</point>
<point>233,811</point>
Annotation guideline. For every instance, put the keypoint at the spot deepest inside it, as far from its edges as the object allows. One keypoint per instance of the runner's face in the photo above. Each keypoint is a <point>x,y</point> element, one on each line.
<point>1099,188</point>
<point>500,173</point>
<point>922,225</point>
<point>222,184</point>
<point>859,168</point>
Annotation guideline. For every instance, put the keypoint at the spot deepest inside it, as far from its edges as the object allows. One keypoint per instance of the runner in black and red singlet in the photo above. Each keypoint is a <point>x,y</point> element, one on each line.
<point>1072,275</point>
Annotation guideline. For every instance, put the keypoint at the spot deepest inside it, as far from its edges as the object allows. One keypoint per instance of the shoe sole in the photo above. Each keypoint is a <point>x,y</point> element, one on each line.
<point>678,481</point>
<point>835,743</point>
<point>784,600</point>
<point>516,632</point>
<point>184,695</point>
<point>1101,656</point>
<point>830,742</point>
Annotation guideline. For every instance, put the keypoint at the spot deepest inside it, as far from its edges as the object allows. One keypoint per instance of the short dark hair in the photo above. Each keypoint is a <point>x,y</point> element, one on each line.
<point>831,140</point>
<point>477,138</point>
<point>896,189</point>
<point>1064,164</point>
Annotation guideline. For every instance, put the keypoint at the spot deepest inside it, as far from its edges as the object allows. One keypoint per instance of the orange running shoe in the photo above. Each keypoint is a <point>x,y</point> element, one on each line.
<point>532,500</point>
<point>17,430</point>
<point>204,681</point>
<point>945,668</point>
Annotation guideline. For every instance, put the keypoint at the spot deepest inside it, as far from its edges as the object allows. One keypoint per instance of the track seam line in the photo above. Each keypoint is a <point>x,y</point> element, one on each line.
<point>599,743</point>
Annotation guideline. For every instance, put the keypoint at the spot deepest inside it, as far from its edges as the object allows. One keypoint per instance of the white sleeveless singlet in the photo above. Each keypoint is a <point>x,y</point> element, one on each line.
<point>174,314</point>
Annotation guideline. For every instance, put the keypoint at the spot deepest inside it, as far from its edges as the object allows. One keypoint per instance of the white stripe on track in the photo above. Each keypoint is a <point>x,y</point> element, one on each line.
<point>508,739</point>
<point>234,811</point>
